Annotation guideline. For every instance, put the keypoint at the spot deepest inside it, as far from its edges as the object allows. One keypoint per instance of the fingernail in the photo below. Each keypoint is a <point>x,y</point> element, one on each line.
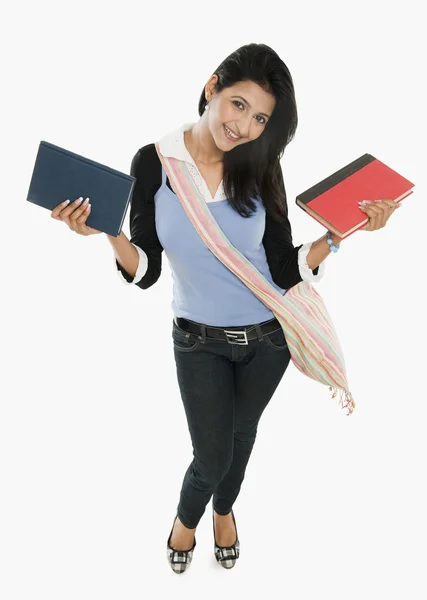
<point>65,202</point>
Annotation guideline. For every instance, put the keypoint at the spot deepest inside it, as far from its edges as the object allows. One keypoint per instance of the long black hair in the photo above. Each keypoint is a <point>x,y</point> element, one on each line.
<point>253,168</point>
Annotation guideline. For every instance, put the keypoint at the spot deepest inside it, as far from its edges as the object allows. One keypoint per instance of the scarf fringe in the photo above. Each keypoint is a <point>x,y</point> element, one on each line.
<point>345,400</point>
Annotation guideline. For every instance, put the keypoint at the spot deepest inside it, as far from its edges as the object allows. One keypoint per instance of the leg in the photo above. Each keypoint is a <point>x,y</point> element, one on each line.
<point>206,381</point>
<point>256,378</point>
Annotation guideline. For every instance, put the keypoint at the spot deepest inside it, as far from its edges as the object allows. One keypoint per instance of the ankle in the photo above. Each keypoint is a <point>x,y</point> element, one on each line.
<point>181,525</point>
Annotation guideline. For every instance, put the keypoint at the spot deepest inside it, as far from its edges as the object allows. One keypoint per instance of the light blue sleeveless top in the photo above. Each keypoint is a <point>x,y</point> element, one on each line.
<point>205,290</point>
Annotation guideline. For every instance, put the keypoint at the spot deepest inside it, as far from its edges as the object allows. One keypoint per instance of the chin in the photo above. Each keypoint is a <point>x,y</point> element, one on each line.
<point>221,145</point>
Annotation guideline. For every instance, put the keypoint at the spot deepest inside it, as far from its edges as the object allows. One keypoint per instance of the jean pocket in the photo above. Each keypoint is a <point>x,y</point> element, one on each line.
<point>276,339</point>
<point>184,341</point>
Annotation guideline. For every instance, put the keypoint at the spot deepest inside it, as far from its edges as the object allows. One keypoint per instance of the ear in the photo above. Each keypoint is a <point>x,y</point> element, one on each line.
<point>210,87</point>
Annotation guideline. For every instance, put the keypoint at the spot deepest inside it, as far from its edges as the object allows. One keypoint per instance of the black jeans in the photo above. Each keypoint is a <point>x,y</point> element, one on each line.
<point>225,389</point>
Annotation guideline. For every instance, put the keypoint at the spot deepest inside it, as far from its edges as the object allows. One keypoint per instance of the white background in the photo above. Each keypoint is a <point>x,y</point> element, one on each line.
<point>93,437</point>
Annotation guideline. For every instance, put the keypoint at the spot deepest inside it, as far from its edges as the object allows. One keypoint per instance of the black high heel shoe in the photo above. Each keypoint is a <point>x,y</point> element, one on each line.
<point>179,560</point>
<point>226,555</point>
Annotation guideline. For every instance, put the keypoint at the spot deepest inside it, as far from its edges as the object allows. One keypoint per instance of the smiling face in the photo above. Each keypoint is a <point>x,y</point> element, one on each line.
<point>244,108</point>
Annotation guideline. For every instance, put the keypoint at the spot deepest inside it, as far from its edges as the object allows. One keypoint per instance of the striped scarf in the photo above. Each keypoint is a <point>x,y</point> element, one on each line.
<point>309,332</point>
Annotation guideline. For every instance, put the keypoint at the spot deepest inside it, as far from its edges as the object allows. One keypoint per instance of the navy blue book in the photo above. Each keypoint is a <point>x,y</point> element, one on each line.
<point>60,174</point>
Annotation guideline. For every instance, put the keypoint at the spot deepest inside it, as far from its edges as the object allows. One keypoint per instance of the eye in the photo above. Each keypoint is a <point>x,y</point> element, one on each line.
<point>263,120</point>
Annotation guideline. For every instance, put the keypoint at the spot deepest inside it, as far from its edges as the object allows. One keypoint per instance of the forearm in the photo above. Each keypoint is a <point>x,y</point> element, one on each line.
<point>320,250</point>
<point>125,252</point>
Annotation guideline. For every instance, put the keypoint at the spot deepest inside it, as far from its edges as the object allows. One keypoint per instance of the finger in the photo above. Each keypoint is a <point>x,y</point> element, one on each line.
<point>391,204</point>
<point>80,223</point>
<point>373,217</point>
<point>76,214</point>
<point>58,208</point>
<point>363,209</point>
<point>380,211</point>
<point>369,210</point>
<point>84,213</point>
<point>367,226</point>
<point>84,229</point>
<point>66,212</point>
<point>383,204</point>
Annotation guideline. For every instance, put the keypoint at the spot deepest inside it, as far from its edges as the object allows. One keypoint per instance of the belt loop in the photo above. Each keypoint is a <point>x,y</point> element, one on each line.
<point>203,336</point>
<point>259,332</point>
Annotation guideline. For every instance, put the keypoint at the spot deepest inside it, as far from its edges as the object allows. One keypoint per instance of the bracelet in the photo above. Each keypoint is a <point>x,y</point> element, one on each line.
<point>329,240</point>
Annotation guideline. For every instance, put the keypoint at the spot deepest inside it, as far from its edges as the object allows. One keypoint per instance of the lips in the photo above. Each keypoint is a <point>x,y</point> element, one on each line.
<point>229,137</point>
<point>234,132</point>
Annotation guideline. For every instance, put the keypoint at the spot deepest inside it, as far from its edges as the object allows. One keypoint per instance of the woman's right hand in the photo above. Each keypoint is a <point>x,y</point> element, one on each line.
<point>74,214</point>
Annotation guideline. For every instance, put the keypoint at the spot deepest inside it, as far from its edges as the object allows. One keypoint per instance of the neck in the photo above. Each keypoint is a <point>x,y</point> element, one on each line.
<point>200,143</point>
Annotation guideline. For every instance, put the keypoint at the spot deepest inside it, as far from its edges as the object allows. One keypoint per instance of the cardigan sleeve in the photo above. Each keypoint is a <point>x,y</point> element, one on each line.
<point>146,167</point>
<point>287,263</point>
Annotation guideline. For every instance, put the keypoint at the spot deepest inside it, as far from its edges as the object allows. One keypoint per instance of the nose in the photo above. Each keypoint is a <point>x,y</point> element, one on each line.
<point>244,126</point>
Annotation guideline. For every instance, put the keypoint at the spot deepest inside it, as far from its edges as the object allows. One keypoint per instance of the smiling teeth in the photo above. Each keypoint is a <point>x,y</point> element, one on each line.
<point>236,137</point>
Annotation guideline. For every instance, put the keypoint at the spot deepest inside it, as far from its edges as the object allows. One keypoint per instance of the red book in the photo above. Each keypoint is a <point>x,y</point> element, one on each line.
<point>333,202</point>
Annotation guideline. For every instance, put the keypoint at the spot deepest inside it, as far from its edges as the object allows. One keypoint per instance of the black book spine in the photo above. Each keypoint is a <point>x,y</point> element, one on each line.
<point>328,183</point>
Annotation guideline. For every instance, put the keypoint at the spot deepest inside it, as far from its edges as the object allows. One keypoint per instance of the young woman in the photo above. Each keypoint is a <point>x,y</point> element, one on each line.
<point>230,351</point>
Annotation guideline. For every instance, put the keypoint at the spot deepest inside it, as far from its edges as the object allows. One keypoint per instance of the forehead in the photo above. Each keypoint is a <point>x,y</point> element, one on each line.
<point>258,98</point>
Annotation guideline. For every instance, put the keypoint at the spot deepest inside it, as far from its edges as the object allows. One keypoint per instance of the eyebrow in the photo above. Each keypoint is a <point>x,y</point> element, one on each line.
<point>244,100</point>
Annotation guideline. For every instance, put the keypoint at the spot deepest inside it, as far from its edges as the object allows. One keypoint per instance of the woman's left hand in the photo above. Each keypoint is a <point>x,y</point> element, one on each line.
<point>379,212</point>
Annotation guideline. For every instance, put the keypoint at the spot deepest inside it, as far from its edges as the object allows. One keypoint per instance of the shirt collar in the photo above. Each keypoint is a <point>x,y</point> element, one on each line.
<point>172,144</point>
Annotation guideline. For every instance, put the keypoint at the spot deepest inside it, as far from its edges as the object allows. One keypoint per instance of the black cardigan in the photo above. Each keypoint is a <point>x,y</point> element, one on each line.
<point>282,256</point>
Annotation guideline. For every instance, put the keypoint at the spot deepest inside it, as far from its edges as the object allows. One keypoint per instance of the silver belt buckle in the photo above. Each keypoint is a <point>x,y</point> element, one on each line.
<point>233,337</point>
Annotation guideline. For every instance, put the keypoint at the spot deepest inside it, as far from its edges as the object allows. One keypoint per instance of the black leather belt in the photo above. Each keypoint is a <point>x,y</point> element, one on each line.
<point>233,335</point>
